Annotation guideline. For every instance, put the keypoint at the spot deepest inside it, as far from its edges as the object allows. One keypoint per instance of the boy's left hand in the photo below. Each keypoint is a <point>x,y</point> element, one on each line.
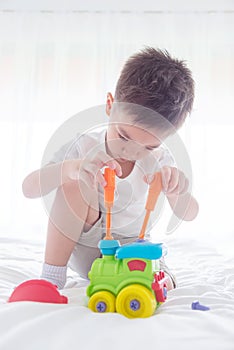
<point>174,182</point>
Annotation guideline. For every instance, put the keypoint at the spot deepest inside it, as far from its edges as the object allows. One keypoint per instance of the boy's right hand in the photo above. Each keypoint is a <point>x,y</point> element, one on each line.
<point>88,170</point>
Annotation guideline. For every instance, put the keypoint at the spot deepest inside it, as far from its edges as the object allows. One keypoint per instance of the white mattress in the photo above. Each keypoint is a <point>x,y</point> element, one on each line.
<point>202,275</point>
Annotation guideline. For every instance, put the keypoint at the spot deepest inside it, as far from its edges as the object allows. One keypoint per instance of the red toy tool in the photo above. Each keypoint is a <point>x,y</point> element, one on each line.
<point>37,290</point>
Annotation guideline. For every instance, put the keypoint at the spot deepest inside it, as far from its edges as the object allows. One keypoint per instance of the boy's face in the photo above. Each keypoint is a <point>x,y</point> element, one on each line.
<point>127,142</point>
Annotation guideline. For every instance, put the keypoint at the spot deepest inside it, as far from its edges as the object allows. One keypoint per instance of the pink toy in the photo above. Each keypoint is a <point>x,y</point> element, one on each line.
<point>37,290</point>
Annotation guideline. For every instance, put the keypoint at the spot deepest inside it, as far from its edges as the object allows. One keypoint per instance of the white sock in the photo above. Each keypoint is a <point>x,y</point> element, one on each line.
<point>54,274</point>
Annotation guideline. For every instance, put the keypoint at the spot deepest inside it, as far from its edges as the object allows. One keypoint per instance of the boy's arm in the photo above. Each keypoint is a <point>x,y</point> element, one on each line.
<point>42,181</point>
<point>184,206</point>
<point>175,187</point>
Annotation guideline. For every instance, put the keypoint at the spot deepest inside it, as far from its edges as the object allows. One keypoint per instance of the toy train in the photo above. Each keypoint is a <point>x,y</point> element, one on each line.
<point>127,279</point>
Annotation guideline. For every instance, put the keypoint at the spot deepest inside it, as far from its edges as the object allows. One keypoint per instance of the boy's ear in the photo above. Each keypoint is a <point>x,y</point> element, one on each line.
<point>109,102</point>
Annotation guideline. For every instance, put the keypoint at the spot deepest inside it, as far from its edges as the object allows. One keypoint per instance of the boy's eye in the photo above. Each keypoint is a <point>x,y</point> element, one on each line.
<point>152,148</point>
<point>122,137</point>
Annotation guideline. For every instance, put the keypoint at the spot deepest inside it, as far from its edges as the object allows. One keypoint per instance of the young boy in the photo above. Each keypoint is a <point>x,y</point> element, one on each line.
<point>151,80</point>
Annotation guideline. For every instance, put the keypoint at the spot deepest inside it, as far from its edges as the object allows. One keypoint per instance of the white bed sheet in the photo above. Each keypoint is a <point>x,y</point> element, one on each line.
<point>202,275</point>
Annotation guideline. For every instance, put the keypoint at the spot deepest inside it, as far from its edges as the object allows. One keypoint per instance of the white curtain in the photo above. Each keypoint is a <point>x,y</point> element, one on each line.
<point>53,65</point>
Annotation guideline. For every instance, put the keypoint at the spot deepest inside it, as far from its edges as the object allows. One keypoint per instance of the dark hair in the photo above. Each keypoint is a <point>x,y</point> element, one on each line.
<point>153,79</point>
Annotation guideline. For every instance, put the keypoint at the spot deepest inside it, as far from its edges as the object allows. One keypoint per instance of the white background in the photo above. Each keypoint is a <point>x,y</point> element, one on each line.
<point>60,57</point>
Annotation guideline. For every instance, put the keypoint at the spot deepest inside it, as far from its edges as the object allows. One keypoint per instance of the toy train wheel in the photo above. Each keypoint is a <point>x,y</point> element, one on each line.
<point>135,301</point>
<point>102,302</point>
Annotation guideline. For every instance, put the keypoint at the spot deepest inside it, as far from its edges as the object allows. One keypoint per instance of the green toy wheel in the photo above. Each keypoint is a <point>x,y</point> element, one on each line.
<point>102,302</point>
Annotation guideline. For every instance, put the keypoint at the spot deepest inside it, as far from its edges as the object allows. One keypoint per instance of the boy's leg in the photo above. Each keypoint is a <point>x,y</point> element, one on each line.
<point>71,214</point>
<point>171,283</point>
<point>82,259</point>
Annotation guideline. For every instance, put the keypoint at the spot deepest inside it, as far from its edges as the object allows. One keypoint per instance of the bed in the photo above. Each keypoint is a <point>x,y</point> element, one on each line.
<point>202,275</point>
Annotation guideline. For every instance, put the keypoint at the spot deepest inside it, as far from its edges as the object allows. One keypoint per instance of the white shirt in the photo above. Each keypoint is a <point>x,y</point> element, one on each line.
<point>131,192</point>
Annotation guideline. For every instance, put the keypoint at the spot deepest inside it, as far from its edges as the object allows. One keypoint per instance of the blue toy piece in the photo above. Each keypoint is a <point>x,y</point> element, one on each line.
<point>140,249</point>
<point>108,247</point>
<point>197,306</point>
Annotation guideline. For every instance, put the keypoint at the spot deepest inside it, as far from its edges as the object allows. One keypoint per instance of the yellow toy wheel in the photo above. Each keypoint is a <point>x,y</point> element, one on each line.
<point>135,301</point>
<point>102,302</point>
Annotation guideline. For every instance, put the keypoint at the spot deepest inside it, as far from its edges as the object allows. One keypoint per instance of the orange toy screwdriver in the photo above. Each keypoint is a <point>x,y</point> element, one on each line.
<point>154,192</point>
<point>109,176</point>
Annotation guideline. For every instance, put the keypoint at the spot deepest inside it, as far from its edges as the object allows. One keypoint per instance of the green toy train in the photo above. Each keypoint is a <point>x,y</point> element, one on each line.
<point>127,279</point>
